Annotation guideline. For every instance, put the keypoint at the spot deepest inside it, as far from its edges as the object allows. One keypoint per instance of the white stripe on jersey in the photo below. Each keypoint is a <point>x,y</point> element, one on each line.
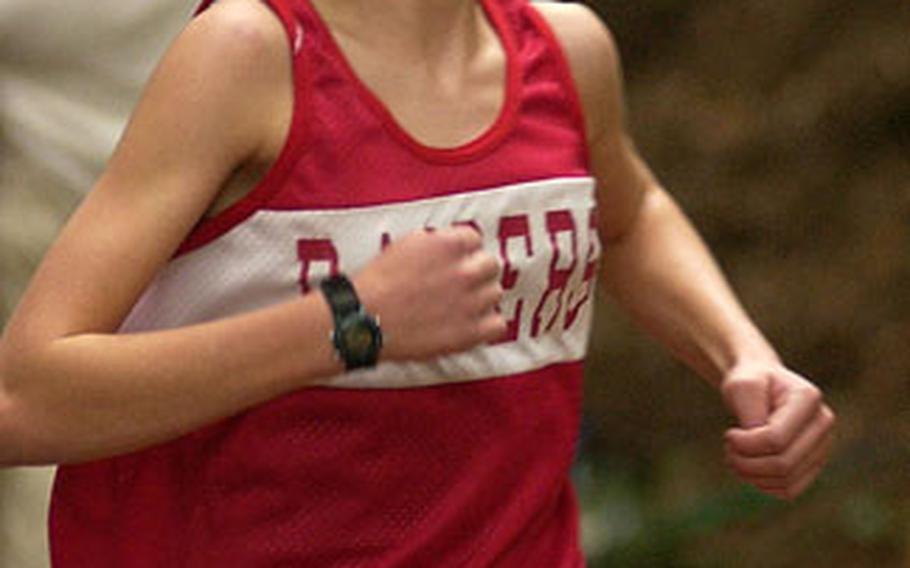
<point>543,232</point>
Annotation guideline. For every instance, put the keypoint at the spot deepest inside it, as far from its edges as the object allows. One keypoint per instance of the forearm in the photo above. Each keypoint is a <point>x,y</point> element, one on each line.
<point>662,273</point>
<point>94,395</point>
<point>68,395</point>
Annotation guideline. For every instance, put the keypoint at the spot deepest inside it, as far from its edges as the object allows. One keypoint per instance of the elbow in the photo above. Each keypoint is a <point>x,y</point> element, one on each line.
<point>19,444</point>
<point>10,443</point>
<point>20,441</point>
<point>13,451</point>
<point>7,412</point>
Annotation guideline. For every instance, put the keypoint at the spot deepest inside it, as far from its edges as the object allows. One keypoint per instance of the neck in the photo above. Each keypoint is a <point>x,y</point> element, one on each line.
<point>425,29</point>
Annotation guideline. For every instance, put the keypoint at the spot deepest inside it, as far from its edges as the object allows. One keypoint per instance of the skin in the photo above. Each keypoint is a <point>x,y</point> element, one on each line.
<point>73,390</point>
<point>785,430</point>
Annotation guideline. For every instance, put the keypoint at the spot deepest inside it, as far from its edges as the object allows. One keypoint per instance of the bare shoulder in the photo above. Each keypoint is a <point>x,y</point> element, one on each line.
<point>243,56</point>
<point>577,25</point>
<point>215,84</point>
<point>247,32</point>
<point>239,44</point>
<point>593,57</point>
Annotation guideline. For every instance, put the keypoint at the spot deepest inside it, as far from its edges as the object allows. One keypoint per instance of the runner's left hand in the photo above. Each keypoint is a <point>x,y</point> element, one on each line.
<point>785,431</point>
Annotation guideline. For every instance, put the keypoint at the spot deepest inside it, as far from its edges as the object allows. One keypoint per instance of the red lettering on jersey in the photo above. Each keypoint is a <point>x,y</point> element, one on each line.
<point>513,227</point>
<point>310,251</point>
<point>590,271</point>
<point>560,221</point>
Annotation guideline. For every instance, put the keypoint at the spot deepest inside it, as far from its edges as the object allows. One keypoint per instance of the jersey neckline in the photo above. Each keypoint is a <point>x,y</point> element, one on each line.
<point>488,138</point>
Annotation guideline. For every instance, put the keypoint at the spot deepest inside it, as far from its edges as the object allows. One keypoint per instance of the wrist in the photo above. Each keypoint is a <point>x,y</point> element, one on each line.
<point>751,362</point>
<point>751,351</point>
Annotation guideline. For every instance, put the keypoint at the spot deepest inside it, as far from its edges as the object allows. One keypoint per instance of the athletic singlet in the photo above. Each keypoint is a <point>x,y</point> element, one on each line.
<point>461,461</point>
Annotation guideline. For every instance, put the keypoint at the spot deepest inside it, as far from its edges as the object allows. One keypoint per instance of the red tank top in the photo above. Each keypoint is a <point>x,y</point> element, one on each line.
<point>459,461</point>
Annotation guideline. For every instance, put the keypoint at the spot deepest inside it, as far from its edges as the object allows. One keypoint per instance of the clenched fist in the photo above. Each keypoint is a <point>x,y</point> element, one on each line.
<point>435,292</point>
<point>785,429</point>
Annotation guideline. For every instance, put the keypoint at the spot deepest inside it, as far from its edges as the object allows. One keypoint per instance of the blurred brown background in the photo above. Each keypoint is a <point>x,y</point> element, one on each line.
<point>782,127</point>
<point>784,130</point>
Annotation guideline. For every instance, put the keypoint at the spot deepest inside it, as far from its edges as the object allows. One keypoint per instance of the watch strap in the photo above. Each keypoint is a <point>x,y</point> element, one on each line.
<point>342,298</point>
<point>357,337</point>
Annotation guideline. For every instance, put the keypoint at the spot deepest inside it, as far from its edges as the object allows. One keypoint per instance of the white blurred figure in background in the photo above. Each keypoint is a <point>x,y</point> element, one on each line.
<point>70,74</point>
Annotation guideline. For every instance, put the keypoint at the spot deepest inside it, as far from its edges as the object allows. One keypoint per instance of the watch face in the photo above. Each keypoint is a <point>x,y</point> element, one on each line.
<point>358,340</point>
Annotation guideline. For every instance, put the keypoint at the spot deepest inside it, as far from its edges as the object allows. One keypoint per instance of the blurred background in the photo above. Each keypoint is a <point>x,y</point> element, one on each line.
<point>783,128</point>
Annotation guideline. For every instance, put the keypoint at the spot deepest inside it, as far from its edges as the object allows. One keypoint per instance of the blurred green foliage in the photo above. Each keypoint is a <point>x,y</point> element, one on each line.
<point>783,128</point>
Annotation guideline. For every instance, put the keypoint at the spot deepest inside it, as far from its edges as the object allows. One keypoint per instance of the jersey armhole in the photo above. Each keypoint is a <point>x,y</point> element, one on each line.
<point>565,75</point>
<point>209,229</point>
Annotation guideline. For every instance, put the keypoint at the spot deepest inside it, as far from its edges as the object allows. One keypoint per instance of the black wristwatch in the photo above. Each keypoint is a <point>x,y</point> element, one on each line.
<point>357,337</point>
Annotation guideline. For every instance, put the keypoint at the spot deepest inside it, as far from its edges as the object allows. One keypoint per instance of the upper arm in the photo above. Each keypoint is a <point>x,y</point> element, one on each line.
<point>204,112</point>
<point>622,176</point>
